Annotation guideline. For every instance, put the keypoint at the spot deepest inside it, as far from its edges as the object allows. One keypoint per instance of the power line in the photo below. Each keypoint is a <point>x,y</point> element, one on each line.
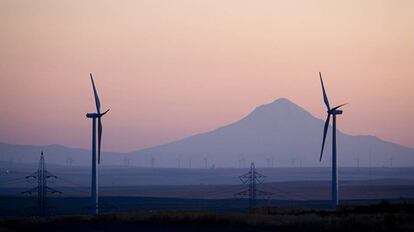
<point>13,181</point>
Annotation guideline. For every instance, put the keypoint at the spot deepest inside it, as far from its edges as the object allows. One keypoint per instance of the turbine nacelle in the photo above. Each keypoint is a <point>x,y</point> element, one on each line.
<point>92,115</point>
<point>96,115</point>
<point>335,112</point>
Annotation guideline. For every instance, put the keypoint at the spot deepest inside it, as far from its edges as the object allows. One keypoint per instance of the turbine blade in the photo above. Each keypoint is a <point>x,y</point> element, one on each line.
<point>97,102</point>
<point>325,131</point>
<point>105,112</point>
<point>325,97</point>
<point>99,139</point>
<point>100,135</point>
<point>337,107</point>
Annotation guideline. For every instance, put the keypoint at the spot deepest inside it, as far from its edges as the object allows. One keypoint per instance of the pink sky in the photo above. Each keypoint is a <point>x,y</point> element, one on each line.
<point>170,69</point>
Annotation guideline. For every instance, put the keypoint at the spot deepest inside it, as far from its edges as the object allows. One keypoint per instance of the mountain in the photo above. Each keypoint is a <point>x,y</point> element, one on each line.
<point>280,131</point>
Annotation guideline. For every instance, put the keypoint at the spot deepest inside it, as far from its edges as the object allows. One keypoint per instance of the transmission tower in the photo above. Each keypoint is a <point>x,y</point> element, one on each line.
<point>252,178</point>
<point>41,176</point>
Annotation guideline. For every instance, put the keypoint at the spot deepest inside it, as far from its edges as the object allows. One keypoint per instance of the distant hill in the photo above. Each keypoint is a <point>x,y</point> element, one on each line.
<point>54,154</point>
<point>280,131</point>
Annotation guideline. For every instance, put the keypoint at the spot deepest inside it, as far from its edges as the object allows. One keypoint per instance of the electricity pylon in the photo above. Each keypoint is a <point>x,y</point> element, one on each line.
<point>41,176</point>
<point>252,178</point>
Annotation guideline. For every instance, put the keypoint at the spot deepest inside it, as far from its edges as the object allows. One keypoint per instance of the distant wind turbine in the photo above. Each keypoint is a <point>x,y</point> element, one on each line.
<point>98,115</point>
<point>357,161</point>
<point>331,112</point>
<point>391,159</point>
<point>152,162</point>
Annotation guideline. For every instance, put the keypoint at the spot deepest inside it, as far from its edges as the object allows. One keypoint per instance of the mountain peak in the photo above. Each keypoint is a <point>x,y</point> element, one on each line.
<point>280,102</point>
<point>279,105</point>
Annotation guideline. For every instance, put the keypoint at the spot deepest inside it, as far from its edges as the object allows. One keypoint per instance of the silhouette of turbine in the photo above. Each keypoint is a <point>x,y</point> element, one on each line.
<point>331,112</point>
<point>98,115</point>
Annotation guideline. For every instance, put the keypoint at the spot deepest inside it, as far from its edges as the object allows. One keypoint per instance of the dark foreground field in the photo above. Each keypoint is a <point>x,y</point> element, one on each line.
<point>134,199</point>
<point>378,217</point>
<point>25,207</point>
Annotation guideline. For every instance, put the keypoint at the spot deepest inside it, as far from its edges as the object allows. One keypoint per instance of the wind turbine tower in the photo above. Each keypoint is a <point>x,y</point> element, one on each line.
<point>96,117</point>
<point>179,162</point>
<point>331,112</point>
<point>268,162</point>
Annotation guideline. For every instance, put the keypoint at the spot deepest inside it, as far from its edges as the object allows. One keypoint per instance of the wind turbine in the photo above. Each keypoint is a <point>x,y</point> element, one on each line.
<point>331,112</point>
<point>98,115</point>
